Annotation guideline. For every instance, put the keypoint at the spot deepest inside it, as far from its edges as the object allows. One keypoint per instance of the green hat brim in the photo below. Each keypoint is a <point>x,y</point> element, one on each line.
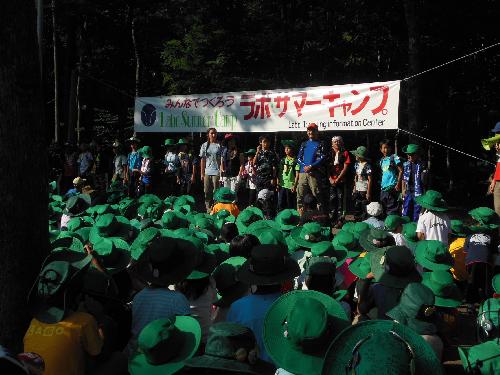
<point>295,234</point>
<point>356,153</point>
<point>206,361</point>
<point>455,298</point>
<point>495,283</point>
<point>53,309</point>
<point>357,270</point>
<point>280,349</point>
<point>248,277</point>
<point>365,241</point>
<point>385,278</point>
<point>190,330</point>
<point>424,262</point>
<point>419,326</point>
<point>340,351</point>
<point>421,202</point>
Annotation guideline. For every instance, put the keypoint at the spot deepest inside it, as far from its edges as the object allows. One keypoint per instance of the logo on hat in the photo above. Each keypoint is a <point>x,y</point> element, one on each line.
<point>148,115</point>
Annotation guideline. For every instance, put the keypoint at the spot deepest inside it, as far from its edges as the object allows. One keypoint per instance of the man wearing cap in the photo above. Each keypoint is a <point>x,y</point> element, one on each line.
<point>134,161</point>
<point>312,158</point>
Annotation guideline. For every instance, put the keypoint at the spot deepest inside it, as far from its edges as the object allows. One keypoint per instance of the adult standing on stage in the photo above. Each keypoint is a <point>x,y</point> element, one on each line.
<point>210,166</point>
<point>312,158</point>
<point>134,162</point>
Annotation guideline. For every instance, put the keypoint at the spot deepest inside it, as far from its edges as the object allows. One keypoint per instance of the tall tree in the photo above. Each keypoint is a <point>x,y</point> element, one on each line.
<point>23,191</point>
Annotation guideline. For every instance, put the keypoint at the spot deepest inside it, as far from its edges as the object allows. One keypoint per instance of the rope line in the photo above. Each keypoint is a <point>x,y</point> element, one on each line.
<point>445,146</point>
<point>450,62</point>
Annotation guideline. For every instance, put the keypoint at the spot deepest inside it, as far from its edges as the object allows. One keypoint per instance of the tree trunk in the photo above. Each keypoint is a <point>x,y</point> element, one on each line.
<point>56,74</point>
<point>132,19</point>
<point>23,223</point>
<point>412,92</point>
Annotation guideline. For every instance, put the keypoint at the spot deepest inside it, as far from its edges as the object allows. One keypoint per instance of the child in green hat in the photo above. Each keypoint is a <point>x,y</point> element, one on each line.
<point>433,223</point>
<point>414,181</point>
<point>172,164</point>
<point>249,174</point>
<point>288,177</point>
<point>361,193</point>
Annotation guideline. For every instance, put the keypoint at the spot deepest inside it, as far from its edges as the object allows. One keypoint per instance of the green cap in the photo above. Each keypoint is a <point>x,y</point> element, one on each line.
<point>411,149</point>
<point>442,285</point>
<point>432,200</point>
<point>308,234</point>
<point>481,359</point>
<point>410,232</point>
<point>433,255</point>
<point>487,217</point>
<point>392,222</point>
<point>228,286</point>
<point>169,142</point>
<point>361,152</point>
<point>346,241</point>
<point>288,219</point>
<point>326,249</point>
<point>224,195</point>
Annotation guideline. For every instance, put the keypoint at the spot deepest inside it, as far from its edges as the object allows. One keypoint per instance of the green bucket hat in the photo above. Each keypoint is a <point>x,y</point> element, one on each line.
<point>207,261</point>
<point>272,237</point>
<point>459,229</point>
<point>380,347</point>
<point>375,239</point>
<point>204,223</point>
<point>348,226</point>
<point>488,320</point>
<point>415,309</point>
<point>112,253</point>
<point>268,265</point>
<point>433,255</point>
<point>359,228</point>
<point>174,220</point>
<point>169,142</point>
<point>289,142</point>
<point>324,266</point>
<point>345,241</point>
<point>292,245</point>
<point>164,345</point>
<point>226,283</point>
<point>361,152</point>
<point>142,241</point>
<point>394,267</point>
<point>184,200</point>
<point>247,217</point>
<point>77,205</point>
<point>411,149</point>
<point>231,347</point>
<point>298,328</point>
<point>76,223</point>
<point>149,199</point>
<point>308,234</point>
<point>361,266</point>
<point>441,283</point>
<point>146,152</point>
<point>167,260</point>
<point>392,222</point>
<point>60,278</point>
<point>260,226</point>
<point>326,249</point>
<point>432,200</point>
<point>495,283</point>
<point>109,225</point>
<point>487,217</point>
<point>481,359</point>
<point>410,232</point>
<point>287,219</point>
<point>68,241</point>
<point>181,141</point>
<point>250,152</point>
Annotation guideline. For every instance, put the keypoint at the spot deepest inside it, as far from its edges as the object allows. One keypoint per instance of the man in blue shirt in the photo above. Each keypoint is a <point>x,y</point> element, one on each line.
<point>312,173</point>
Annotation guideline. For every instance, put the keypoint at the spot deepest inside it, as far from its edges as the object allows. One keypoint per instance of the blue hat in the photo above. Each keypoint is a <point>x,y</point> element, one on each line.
<point>496,129</point>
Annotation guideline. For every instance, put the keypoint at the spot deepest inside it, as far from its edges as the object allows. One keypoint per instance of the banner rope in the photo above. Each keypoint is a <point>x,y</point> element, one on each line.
<point>451,61</point>
<point>446,146</point>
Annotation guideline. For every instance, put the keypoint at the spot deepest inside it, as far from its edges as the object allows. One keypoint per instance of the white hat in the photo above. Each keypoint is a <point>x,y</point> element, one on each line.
<point>374,209</point>
<point>265,194</point>
<point>79,181</point>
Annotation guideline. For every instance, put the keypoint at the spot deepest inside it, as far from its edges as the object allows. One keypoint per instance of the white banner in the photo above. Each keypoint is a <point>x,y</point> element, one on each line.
<point>346,107</point>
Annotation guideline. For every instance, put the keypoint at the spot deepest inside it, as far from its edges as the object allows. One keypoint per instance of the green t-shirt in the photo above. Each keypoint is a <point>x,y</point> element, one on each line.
<point>288,168</point>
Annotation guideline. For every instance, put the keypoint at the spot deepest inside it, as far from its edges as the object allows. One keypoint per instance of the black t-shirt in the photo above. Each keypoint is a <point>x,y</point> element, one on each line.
<point>264,164</point>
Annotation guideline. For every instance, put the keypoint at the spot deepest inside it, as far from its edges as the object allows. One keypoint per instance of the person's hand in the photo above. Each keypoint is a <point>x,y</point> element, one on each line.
<point>398,186</point>
<point>370,275</point>
<point>178,180</point>
<point>491,188</point>
<point>293,189</point>
<point>259,148</point>
<point>333,182</point>
<point>202,176</point>
<point>368,197</point>
<point>307,168</point>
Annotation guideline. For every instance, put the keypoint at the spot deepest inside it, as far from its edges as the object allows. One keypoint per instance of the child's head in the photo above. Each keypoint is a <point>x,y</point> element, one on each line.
<point>228,232</point>
<point>309,202</point>
<point>241,246</point>
<point>264,142</point>
<point>288,150</point>
<point>250,158</point>
<point>182,147</point>
<point>385,147</point>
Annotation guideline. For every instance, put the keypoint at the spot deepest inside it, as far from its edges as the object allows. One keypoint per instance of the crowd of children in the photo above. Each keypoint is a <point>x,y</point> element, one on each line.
<point>143,284</point>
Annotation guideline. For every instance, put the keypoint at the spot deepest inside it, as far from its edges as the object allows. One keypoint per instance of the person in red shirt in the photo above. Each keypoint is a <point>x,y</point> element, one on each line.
<point>339,164</point>
<point>495,182</point>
